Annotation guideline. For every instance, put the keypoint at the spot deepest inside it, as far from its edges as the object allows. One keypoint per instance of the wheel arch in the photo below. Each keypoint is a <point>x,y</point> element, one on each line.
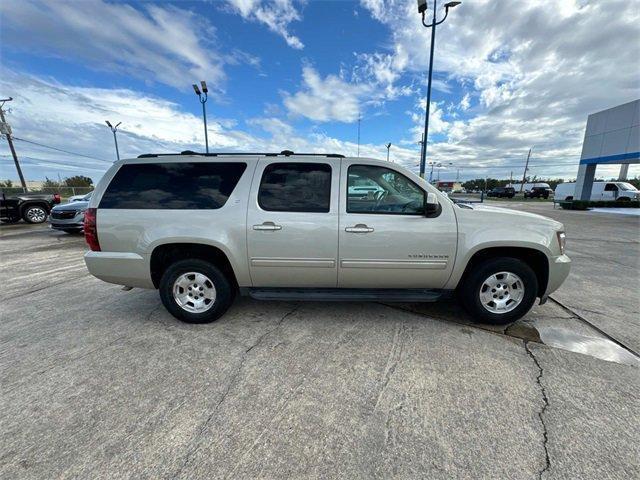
<point>165,254</point>
<point>534,258</point>
<point>34,203</point>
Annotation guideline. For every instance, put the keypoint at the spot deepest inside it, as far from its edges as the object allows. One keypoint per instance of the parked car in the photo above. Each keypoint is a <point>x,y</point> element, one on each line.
<point>68,217</point>
<point>607,191</point>
<point>79,198</point>
<point>538,192</point>
<point>30,207</point>
<point>501,192</point>
<point>202,228</point>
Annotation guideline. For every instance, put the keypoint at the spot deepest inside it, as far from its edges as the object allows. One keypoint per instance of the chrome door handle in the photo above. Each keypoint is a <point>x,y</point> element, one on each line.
<point>359,228</point>
<point>267,226</point>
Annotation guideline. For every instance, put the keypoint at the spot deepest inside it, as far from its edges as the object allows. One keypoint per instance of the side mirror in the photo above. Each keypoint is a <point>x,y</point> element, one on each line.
<point>430,203</point>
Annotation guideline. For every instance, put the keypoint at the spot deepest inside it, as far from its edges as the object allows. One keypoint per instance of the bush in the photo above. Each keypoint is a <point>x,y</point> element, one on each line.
<point>586,204</point>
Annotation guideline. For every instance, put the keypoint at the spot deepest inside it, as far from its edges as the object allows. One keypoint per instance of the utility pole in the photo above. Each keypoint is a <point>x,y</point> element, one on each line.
<point>526,167</point>
<point>115,139</point>
<point>511,178</point>
<point>359,118</point>
<point>388,148</point>
<point>6,129</point>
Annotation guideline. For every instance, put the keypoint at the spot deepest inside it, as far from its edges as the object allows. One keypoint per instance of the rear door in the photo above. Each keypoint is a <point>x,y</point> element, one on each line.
<point>292,223</point>
<point>386,241</point>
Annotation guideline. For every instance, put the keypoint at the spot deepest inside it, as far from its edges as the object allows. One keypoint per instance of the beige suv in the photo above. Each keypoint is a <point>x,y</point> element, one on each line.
<point>202,228</point>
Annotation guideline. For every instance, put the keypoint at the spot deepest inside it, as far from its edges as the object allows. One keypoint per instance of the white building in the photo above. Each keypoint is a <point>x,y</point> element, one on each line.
<point>612,136</point>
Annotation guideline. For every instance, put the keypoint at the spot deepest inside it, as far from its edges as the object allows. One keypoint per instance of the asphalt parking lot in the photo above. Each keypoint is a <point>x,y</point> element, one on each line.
<point>100,383</point>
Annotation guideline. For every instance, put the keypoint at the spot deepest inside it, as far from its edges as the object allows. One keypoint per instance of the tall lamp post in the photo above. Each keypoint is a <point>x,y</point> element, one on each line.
<point>422,8</point>
<point>115,139</point>
<point>388,145</point>
<point>202,96</point>
<point>433,164</point>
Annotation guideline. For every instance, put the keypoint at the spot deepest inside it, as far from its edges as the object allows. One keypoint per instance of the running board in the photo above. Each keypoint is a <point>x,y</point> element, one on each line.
<point>347,294</point>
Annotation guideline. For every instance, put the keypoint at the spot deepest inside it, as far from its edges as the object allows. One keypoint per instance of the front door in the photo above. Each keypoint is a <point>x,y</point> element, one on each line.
<point>610,192</point>
<point>385,240</point>
<point>292,223</point>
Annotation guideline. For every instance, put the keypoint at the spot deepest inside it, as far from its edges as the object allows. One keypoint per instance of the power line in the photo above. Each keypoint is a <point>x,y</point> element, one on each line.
<point>61,150</point>
<point>65,164</point>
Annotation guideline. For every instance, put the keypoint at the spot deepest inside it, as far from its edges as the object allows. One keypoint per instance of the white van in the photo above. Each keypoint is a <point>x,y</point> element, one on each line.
<point>600,191</point>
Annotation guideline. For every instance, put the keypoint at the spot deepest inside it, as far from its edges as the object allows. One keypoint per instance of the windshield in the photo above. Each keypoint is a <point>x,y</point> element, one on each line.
<point>626,186</point>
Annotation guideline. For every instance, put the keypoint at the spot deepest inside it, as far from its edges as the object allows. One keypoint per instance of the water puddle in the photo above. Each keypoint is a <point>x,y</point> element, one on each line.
<point>598,347</point>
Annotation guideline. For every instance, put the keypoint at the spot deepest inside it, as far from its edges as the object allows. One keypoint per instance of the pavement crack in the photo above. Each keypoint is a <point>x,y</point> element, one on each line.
<point>545,400</point>
<point>268,332</point>
<point>195,445</point>
<point>393,360</point>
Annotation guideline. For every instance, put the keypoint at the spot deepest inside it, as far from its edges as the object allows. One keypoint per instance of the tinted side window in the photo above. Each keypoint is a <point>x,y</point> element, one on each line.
<point>295,187</point>
<point>389,192</point>
<point>172,185</point>
<point>610,187</point>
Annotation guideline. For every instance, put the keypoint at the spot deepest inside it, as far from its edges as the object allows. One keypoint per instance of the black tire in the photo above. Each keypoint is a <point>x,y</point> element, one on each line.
<point>35,214</point>
<point>569,199</point>
<point>624,199</point>
<point>470,290</point>
<point>223,290</point>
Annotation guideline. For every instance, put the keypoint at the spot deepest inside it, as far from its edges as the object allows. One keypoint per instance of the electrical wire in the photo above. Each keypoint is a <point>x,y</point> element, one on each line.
<point>59,149</point>
<point>53,162</point>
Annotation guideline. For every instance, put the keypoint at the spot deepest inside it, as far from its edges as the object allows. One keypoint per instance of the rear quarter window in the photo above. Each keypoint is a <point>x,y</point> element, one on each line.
<point>180,185</point>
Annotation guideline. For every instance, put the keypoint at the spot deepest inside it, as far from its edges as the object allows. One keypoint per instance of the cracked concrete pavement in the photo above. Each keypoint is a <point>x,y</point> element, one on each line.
<point>100,383</point>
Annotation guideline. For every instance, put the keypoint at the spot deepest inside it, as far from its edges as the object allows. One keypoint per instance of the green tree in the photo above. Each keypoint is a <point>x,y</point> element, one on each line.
<point>78,181</point>
<point>48,183</point>
<point>7,184</point>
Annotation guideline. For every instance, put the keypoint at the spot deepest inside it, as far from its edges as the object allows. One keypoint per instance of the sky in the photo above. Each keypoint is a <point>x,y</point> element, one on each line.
<point>297,75</point>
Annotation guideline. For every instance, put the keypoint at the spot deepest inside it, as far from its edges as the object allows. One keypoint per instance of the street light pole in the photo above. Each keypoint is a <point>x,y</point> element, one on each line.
<point>115,139</point>
<point>388,148</point>
<point>203,96</point>
<point>422,8</point>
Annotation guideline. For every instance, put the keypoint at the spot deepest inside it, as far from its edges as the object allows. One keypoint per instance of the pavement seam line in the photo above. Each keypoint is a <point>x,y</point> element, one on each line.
<point>545,399</point>
<point>204,426</point>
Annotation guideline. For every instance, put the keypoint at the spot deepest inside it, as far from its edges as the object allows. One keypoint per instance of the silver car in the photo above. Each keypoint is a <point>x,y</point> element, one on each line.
<point>68,217</point>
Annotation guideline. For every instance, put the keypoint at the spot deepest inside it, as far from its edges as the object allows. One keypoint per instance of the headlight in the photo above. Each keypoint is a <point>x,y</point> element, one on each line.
<point>562,240</point>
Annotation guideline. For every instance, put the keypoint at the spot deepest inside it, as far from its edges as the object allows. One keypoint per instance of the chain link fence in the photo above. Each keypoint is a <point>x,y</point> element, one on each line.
<point>64,192</point>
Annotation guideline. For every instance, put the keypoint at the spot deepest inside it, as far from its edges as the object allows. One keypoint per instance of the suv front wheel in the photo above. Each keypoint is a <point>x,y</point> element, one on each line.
<point>195,291</point>
<point>499,291</point>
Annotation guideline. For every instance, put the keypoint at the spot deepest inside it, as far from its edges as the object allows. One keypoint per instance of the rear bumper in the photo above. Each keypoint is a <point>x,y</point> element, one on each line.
<point>559,268</point>
<point>121,268</point>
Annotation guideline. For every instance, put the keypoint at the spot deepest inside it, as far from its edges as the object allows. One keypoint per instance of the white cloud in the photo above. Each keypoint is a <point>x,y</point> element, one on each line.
<point>154,42</point>
<point>326,99</point>
<point>72,118</point>
<point>536,71</point>
<point>275,14</point>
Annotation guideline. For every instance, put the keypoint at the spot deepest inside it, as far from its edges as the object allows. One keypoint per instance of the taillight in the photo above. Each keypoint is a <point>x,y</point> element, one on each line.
<point>91,229</point>
<point>56,198</point>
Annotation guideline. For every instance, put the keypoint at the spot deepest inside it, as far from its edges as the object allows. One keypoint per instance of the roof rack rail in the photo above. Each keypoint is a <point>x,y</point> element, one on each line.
<point>286,153</point>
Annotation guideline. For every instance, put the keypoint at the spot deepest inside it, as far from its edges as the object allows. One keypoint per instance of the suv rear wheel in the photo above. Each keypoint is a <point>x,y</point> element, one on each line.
<point>499,291</point>
<point>34,214</point>
<point>195,291</point>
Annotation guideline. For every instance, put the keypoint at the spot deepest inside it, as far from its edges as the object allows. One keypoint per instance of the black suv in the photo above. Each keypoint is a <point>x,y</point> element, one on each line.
<point>31,207</point>
<point>502,192</point>
<point>538,192</point>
